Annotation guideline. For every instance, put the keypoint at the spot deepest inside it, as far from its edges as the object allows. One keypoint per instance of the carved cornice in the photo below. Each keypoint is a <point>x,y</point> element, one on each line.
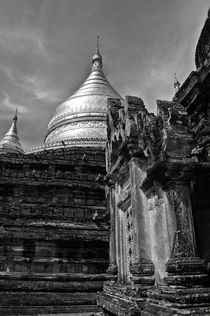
<point>168,170</point>
<point>133,132</point>
<point>81,141</point>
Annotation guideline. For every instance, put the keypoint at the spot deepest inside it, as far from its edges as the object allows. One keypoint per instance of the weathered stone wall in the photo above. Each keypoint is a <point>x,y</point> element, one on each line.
<point>155,178</point>
<point>54,241</point>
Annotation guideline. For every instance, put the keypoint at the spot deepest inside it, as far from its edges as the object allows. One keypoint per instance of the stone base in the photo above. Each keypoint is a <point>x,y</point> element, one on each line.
<point>42,294</point>
<point>187,272</point>
<point>79,310</point>
<point>165,301</point>
<point>50,309</point>
<point>121,300</point>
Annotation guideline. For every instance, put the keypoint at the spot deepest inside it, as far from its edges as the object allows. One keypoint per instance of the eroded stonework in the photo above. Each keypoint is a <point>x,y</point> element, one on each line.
<point>53,239</point>
<point>152,178</point>
<point>158,181</point>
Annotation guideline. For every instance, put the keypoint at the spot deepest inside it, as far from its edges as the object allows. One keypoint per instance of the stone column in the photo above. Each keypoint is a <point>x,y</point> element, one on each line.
<point>184,267</point>
<point>142,268</point>
<point>112,269</point>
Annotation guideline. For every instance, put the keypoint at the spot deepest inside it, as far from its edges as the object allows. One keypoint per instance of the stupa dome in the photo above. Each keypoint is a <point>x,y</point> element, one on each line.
<point>81,119</point>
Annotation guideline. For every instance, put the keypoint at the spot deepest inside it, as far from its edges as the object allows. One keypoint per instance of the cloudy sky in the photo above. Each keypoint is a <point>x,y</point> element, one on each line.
<point>46,48</point>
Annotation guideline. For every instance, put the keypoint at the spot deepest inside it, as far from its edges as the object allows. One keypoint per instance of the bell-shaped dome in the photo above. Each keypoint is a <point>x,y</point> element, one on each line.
<point>10,143</point>
<point>81,119</point>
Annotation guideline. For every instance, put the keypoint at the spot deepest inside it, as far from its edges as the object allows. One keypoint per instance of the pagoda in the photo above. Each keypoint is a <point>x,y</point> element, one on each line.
<point>54,226</point>
<point>10,142</point>
<point>81,119</point>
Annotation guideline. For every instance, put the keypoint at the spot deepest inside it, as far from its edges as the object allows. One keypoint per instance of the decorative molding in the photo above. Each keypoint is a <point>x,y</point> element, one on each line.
<point>73,126</point>
<point>101,142</point>
<point>77,109</point>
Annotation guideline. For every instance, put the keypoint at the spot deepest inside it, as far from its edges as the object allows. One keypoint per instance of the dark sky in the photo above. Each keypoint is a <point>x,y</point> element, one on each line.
<point>46,48</point>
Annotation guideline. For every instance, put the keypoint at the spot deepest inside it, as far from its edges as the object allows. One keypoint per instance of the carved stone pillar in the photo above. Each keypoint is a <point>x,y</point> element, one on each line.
<point>141,268</point>
<point>186,289</point>
<point>184,267</point>
<point>112,269</point>
<point>130,244</point>
<point>124,232</point>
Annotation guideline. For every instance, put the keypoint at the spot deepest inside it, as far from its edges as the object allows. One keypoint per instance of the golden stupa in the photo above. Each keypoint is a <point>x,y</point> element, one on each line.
<point>81,119</point>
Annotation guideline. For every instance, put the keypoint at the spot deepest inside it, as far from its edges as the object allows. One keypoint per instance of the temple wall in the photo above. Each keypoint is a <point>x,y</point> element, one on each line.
<point>159,180</point>
<point>53,239</point>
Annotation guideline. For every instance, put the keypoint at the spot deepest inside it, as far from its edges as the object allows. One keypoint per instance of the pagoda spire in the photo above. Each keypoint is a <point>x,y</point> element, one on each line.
<point>97,45</point>
<point>97,58</point>
<point>10,142</point>
<point>176,83</point>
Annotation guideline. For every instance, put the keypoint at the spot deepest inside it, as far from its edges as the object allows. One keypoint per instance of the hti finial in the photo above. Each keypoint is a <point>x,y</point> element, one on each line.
<point>176,83</point>
<point>16,112</point>
<point>97,45</point>
<point>97,59</point>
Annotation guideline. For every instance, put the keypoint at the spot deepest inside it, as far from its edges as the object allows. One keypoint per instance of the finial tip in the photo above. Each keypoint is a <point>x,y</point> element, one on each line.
<point>16,112</point>
<point>97,59</point>
<point>97,44</point>
<point>176,83</point>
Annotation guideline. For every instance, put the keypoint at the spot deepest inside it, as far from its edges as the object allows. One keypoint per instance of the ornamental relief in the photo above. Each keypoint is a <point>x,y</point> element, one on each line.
<point>127,234</point>
<point>155,202</point>
<point>155,198</point>
<point>21,211</point>
<point>184,243</point>
<point>87,108</point>
<point>75,109</point>
<point>49,175</point>
<point>76,125</point>
<point>130,237</point>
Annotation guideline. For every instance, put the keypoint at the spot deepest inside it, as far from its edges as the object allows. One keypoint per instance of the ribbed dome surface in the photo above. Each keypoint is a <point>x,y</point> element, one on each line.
<point>81,119</point>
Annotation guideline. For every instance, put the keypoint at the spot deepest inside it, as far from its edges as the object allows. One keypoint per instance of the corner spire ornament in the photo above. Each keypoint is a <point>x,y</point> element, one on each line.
<point>176,83</point>
<point>10,142</point>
